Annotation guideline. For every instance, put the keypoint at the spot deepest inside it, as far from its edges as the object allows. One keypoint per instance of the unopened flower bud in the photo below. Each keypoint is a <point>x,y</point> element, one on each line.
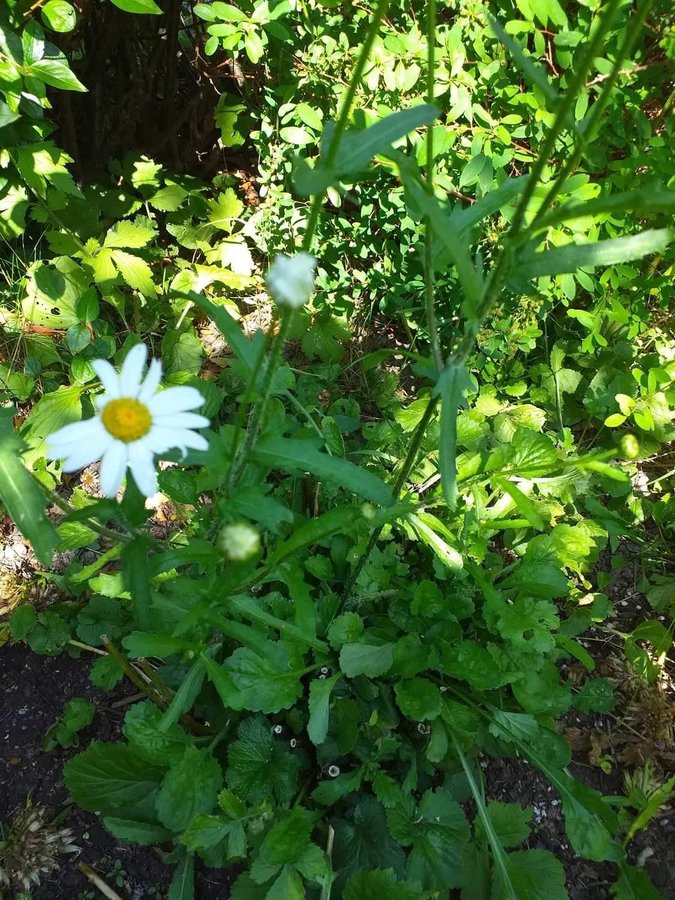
<point>333,771</point>
<point>290,279</point>
<point>238,543</point>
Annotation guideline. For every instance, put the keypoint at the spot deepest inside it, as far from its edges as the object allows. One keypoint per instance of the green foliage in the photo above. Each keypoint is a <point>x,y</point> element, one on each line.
<point>430,508</point>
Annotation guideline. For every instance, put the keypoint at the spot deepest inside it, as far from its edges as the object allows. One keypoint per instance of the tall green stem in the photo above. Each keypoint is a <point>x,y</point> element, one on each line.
<point>343,118</point>
<point>429,297</point>
<point>257,415</point>
<point>402,477</point>
<point>632,33</point>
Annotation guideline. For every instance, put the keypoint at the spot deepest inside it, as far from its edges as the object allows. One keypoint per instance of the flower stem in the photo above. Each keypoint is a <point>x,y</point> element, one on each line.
<point>429,171</point>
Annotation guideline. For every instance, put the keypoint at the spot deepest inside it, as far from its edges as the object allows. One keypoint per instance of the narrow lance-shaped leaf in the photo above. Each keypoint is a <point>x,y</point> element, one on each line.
<point>303,456</point>
<point>20,494</point>
<point>602,253</point>
<point>452,383</point>
<point>647,200</point>
<point>533,73</point>
<point>450,238</point>
<point>357,148</point>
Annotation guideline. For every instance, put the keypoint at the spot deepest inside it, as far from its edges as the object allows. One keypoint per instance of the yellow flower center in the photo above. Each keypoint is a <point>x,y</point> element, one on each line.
<point>126,419</point>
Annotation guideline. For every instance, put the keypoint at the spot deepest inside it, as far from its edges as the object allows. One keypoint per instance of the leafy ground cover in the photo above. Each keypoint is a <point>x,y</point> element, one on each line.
<point>428,547</point>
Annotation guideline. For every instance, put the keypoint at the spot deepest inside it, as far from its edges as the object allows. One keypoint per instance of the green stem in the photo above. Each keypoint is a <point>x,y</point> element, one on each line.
<point>261,406</point>
<point>632,33</point>
<point>405,470</point>
<point>565,110</point>
<point>429,171</point>
<point>343,118</point>
<point>239,463</point>
<point>64,506</point>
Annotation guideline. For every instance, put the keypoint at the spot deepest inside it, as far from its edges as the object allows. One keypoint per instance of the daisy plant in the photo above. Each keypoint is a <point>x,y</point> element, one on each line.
<point>135,421</point>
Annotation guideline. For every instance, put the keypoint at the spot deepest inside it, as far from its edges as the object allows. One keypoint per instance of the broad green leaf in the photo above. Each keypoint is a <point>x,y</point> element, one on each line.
<point>363,841</point>
<point>537,875</point>
<point>376,883</point>
<point>53,411</point>
<point>20,494</point>
<point>634,884</point>
<point>268,683</point>
<point>260,765</point>
<point>303,456</point>
<point>59,15</point>
<point>128,234</point>
<point>319,708</point>
<point>366,659</point>
<point>510,822</point>
<point>589,821</point>
<point>190,787</point>
<point>418,699</point>
<point>135,271</point>
<point>141,729</point>
<point>56,73</point>
<point>53,290</point>
<point>225,12</point>
<point>602,253</point>
<point>112,780</point>
<point>136,832</point>
<point>438,831</point>
<point>140,7</point>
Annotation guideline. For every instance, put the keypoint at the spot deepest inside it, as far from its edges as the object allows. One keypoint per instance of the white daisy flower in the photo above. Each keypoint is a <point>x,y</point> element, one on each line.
<point>290,279</point>
<point>134,421</point>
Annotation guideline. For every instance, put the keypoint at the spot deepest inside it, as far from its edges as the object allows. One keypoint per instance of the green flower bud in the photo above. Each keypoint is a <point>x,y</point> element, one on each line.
<point>239,542</point>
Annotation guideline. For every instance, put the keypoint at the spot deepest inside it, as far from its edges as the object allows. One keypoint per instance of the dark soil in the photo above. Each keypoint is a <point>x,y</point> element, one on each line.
<point>33,692</point>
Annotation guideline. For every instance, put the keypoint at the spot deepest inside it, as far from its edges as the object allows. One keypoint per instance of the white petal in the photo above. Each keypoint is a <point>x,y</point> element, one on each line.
<point>90,432</point>
<point>83,454</point>
<point>160,439</point>
<point>181,420</point>
<point>152,380</point>
<point>132,369</point>
<point>174,400</point>
<point>113,467</point>
<point>142,467</point>
<point>107,376</point>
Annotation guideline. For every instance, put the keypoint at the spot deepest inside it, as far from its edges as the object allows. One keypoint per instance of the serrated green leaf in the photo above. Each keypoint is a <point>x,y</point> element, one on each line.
<point>190,787</point>
<point>260,765</point>
<point>135,271</point>
<point>112,780</point>
<point>129,235</point>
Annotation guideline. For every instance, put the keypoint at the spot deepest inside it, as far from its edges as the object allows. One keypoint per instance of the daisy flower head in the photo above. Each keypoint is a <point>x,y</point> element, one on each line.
<point>134,421</point>
<point>290,279</point>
